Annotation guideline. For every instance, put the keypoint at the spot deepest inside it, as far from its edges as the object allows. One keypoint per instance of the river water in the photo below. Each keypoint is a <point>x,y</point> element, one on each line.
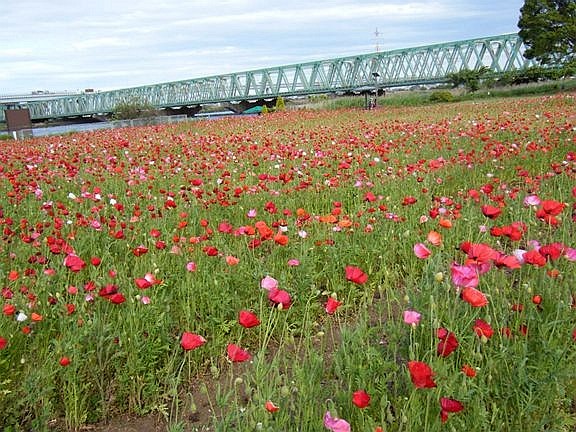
<point>83,127</point>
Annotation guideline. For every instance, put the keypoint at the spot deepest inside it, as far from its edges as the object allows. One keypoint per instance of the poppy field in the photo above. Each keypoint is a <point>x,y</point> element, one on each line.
<point>399,269</point>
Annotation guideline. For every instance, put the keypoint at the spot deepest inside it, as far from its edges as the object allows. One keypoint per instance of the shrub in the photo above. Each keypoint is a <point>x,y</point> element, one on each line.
<point>280,104</point>
<point>133,108</point>
<point>441,96</point>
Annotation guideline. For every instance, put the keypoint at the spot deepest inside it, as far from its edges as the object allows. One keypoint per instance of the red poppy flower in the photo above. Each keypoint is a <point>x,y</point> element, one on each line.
<point>356,275</point>
<point>279,297</point>
<point>448,343</point>
<point>3,343</point>
<point>142,283</point>
<point>508,261</point>
<point>117,298</point>
<point>332,305</point>
<point>140,250</point>
<point>190,341</point>
<point>74,262</point>
<point>271,407</point>
<point>551,207</point>
<point>552,251</point>
<point>469,371</point>
<point>480,253</point>
<point>491,212</point>
<point>281,239</point>
<point>369,197</point>
<point>237,354</point>
<point>8,309</point>
<point>361,399</point>
<point>448,406</point>
<point>483,329</point>
<point>421,374</point>
<point>474,297</point>
<point>534,258</point>
<point>409,200</point>
<point>210,250</point>
<point>64,361</point>
<point>248,319</point>
<point>435,238</point>
<point>451,405</point>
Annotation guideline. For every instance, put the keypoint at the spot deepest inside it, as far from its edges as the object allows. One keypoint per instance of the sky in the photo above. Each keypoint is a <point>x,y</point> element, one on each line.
<point>66,45</point>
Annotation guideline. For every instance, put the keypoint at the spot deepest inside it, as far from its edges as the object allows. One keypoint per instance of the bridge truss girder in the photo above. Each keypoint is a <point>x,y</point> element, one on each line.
<point>403,67</point>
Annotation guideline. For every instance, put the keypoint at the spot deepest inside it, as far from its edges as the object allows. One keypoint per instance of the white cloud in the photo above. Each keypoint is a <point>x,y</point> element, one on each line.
<point>118,43</point>
<point>102,42</point>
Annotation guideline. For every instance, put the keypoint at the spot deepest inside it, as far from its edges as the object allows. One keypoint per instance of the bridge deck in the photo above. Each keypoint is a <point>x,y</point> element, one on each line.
<point>411,66</point>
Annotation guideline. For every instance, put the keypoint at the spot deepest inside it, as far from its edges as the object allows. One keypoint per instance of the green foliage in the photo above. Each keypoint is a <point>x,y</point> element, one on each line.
<point>265,109</point>
<point>280,104</point>
<point>548,29</point>
<point>132,109</point>
<point>470,79</point>
<point>442,96</point>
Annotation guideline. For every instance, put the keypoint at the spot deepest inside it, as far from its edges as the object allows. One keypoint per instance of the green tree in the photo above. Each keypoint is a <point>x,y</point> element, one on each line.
<point>133,108</point>
<point>468,78</point>
<point>548,29</point>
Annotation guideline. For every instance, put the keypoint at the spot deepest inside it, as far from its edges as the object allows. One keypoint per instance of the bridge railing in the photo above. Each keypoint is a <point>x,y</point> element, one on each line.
<point>402,67</point>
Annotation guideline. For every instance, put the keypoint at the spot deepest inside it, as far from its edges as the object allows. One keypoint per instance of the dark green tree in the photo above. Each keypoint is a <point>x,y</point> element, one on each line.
<point>548,29</point>
<point>470,79</point>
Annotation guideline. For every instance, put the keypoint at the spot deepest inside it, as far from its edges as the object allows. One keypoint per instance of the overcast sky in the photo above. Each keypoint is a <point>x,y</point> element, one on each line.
<point>71,45</point>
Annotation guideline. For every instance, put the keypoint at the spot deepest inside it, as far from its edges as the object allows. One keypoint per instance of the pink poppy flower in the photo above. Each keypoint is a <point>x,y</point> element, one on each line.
<point>532,200</point>
<point>269,283</point>
<point>411,317</point>
<point>464,275</point>
<point>421,251</point>
<point>335,424</point>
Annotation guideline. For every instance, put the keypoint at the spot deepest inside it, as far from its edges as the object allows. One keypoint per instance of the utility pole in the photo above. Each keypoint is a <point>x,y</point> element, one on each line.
<point>377,39</point>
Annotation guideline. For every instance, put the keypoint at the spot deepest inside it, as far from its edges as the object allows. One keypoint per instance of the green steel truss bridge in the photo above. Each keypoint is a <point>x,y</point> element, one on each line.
<point>354,74</point>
